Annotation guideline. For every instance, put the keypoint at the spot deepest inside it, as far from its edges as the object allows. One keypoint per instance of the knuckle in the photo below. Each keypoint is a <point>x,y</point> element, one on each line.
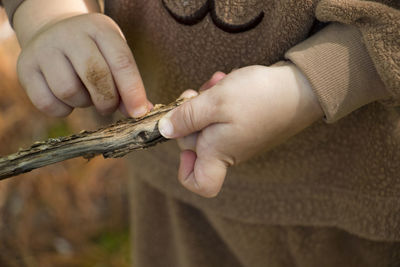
<point>99,18</point>
<point>217,107</point>
<point>135,90</point>
<point>188,142</point>
<point>68,92</point>
<point>45,105</point>
<point>40,46</point>
<point>42,52</point>
<point>210,180</point>
<point>103,22</point>
<point>221,108</point>
<point>209,192</point>
<point>207,186</point>
<point>216,103</point>
<point>123,62</point>
<point>189,119</point>
<point>108,107</point>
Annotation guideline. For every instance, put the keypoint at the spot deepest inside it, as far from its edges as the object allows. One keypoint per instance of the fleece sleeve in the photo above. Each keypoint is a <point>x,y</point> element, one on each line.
<point>356,59</point>
<point>10,6</point>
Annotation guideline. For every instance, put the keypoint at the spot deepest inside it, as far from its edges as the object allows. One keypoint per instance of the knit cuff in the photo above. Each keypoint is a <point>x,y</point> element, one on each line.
<point>11,6</point>
<point>341,73</point>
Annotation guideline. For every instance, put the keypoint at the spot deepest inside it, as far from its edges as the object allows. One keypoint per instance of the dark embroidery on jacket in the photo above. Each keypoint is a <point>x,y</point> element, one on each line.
<point>232,16</point>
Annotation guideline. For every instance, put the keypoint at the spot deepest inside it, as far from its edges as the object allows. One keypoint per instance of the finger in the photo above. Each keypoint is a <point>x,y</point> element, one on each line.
<point>64,82</point>
<point>41,96</point>
<point>186,165</point>
<point>203,175</point>
<point>213,81</point>
<point>124,111</point>
<point>188,142</point>
<point>191,116</point>
<point>95,75</point>
<point>150,105</point>
<point>188,94</point>
<point>125,72</point>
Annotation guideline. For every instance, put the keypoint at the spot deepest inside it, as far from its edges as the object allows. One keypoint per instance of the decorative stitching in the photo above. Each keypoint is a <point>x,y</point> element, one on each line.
<point>191,15</point>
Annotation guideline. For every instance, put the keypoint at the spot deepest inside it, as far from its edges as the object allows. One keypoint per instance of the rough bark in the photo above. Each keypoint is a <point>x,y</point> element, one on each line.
<point>113,141</point>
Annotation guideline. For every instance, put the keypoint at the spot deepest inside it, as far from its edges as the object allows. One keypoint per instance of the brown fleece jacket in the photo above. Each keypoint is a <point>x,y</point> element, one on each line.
<point>168,232</point>
<point>379,25</point>
<point>344,174</point>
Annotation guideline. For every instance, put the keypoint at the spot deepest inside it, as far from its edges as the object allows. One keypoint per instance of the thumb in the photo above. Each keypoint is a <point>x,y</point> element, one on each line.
<point>192,116</point>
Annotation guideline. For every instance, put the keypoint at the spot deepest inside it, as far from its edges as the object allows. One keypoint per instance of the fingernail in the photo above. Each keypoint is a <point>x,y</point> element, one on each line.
<point>140,111</point>
<point>165,127</point>
<point>218,74</point>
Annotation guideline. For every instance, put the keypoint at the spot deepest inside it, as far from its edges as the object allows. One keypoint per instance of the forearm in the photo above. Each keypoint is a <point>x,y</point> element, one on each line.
<point>32,15</point>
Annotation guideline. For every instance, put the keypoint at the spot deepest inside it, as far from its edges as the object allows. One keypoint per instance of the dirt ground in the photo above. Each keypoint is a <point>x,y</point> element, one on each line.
<point>73,213</point>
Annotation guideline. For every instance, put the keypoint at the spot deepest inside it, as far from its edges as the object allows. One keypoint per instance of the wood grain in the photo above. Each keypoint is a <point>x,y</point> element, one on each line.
<point>113,141</point>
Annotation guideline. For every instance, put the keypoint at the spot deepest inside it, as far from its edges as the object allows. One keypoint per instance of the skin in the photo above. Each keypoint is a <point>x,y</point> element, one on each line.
<point>73,56</point>
<point>236,117</point>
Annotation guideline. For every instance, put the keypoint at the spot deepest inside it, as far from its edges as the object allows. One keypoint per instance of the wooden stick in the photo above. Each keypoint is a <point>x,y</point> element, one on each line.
<point>113,141</point>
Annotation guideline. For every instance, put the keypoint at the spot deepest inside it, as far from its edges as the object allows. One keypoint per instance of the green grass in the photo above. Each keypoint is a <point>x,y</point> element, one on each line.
<point>109,249</point>
<point>113,242</point>
<point>58,129</point>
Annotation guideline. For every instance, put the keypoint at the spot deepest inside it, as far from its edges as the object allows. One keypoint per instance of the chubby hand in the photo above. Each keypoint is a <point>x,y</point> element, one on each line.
<point>80,61</point>
<point>246,112</point>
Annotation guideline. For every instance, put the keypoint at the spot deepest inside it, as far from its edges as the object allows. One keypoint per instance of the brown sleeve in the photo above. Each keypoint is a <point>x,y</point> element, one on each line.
<point>11,6</point>
<point>355,61</point>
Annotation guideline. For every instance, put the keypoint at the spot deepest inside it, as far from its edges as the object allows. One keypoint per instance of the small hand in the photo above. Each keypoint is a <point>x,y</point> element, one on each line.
<point>189,142</point>
<point>249,111</point>
<point>81,61</point>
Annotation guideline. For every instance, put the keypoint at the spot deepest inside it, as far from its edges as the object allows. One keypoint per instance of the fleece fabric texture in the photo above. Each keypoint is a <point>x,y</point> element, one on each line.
<point>344,174</point>
<point>173,233</point>
<point>350,85</point>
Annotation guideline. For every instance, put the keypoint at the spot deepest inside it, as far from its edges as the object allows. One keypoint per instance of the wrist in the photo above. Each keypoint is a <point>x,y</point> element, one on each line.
<point>34,15</point>
<point>305,107</point>
<point>311,104</point>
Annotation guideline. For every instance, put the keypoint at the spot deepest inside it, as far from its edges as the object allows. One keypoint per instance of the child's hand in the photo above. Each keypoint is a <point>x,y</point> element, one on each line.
<point>80,61</point>
<point>250,110</point>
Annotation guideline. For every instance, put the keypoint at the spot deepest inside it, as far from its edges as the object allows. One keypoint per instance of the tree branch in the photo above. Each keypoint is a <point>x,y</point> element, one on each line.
<point>113,141</point>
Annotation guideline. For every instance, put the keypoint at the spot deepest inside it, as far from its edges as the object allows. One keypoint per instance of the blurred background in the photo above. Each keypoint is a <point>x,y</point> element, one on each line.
<point>73,213</point>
